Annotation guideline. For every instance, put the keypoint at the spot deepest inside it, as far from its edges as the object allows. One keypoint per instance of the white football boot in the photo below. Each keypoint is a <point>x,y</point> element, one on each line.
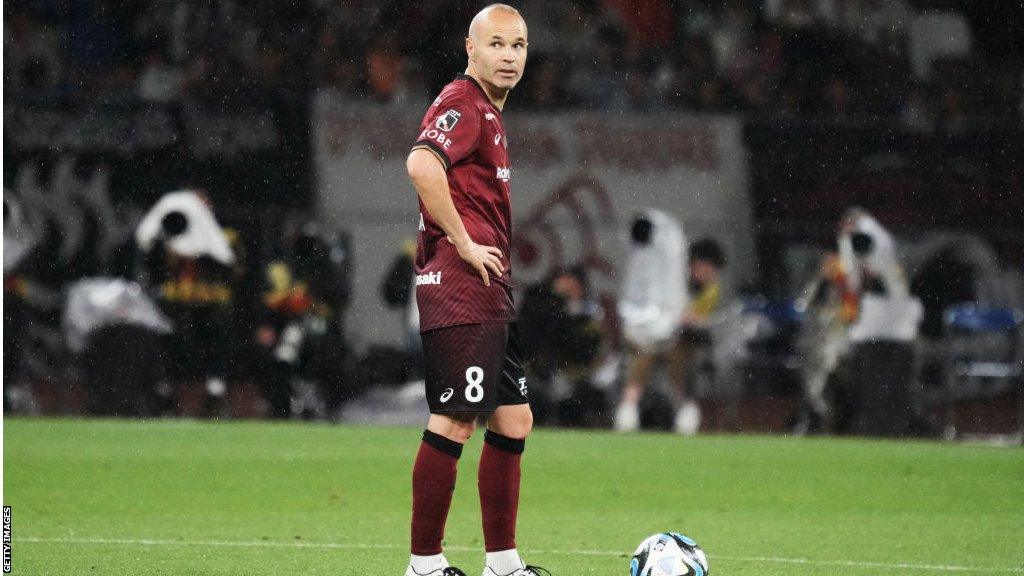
<point>687,420</point>
<point>449,571</point>
<point>524,571</point>
<point>431,566</point>
<point>508,563</point>
<point>627,417</point>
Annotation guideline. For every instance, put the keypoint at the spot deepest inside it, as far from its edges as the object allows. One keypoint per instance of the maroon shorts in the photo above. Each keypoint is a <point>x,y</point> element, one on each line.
<point>473,368</point>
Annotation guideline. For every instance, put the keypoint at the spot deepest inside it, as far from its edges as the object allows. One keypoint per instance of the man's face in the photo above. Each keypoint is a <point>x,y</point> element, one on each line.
<point>568,287</point>
<point>497,49</point>
<point>702,271</point>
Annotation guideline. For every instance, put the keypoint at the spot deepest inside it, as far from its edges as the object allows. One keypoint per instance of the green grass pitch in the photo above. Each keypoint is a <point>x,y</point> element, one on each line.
<point>230,498</point>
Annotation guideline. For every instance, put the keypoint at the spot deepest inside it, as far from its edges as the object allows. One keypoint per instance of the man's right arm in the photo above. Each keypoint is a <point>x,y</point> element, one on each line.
<point>428,176</point>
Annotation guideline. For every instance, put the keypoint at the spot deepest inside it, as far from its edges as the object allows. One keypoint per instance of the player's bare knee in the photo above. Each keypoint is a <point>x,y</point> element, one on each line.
<point>517,424</point>
<point>525,424</point>
<point>633,392</point>
<point>465,425</point>
<point>456,427</point>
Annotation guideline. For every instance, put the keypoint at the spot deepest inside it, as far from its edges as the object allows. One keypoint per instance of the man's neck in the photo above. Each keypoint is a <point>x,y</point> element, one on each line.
<point>496,98</point>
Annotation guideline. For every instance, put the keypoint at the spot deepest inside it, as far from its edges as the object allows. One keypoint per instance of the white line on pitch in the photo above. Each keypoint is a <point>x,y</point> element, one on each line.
<point>272,544</point>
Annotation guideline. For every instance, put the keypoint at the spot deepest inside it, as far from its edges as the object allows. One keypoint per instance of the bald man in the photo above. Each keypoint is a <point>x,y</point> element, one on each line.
<point>460,169</point>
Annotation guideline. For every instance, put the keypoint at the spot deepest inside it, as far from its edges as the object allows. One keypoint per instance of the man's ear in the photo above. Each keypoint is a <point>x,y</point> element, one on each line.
<point>470,49</point>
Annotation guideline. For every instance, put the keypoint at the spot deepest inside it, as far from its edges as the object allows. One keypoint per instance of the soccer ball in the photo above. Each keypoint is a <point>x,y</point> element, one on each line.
<point>668,554</point>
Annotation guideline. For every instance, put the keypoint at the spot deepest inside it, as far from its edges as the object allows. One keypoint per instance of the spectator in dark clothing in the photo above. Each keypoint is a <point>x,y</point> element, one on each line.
<point>301,351</point>
<point>562,328</point>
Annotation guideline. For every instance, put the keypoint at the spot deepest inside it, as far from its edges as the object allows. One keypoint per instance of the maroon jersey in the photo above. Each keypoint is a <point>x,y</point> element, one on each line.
<point>466,131</point>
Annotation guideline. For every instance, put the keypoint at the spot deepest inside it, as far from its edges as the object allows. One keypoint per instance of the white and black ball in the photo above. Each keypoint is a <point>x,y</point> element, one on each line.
<point>668,554</point>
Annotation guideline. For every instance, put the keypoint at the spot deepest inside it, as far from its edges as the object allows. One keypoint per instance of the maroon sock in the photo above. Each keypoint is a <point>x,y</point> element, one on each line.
<point>433,481</point>
<point>498,480</point>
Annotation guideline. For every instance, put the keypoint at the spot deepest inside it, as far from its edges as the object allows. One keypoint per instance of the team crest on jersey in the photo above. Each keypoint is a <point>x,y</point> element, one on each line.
<point>448,120</point>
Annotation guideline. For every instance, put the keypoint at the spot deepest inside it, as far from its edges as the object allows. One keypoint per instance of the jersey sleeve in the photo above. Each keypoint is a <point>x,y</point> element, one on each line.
<point>451,129</point>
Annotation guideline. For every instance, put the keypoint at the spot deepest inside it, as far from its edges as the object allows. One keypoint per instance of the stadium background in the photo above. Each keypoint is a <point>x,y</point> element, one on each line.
<point>755,123</point>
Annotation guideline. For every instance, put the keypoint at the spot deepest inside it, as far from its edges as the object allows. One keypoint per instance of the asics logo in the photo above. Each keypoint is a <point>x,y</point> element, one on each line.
<point>447,395</point>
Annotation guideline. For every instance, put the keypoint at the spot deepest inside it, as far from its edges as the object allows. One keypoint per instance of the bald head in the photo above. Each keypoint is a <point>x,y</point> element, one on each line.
<point>496,49</point>
<point>503,12</point>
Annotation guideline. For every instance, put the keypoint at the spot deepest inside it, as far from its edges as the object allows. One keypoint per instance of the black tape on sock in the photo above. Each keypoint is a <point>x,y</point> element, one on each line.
<point>446,445</point>
<point>504,443</point>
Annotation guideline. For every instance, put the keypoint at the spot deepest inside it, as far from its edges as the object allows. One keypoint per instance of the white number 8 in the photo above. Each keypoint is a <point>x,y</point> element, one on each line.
<point>474,375</point>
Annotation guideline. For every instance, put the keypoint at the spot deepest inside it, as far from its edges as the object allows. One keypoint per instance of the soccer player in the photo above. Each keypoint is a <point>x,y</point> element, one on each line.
<point>460,169</point>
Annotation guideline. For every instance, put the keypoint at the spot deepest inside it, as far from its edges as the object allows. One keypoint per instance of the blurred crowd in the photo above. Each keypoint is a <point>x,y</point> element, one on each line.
<point>173,310</point>
<point>183,312</point>
<point>832,59</point>
<point>111,50</point>
<point>876,341</point>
